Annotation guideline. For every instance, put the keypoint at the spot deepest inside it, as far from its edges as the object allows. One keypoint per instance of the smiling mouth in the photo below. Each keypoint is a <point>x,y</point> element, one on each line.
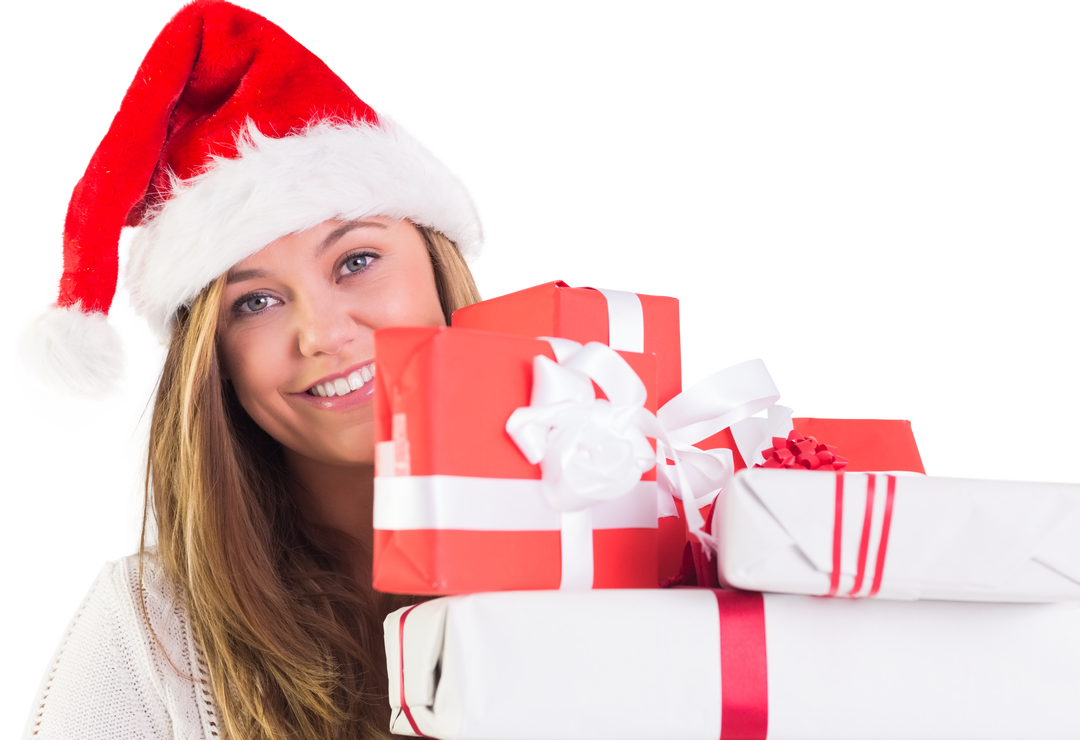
<point>344,385</point>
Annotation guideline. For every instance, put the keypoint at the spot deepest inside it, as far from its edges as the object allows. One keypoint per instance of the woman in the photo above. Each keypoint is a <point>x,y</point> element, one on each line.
<point>282,223</point>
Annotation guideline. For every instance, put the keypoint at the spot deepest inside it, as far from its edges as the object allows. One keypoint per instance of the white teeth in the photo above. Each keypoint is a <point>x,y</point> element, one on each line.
<point>356,380</point>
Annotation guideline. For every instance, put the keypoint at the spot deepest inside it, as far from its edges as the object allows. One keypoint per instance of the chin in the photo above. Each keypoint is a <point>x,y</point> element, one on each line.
<point>358,449</point>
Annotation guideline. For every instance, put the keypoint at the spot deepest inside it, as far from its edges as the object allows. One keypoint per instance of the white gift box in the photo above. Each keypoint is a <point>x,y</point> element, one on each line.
<point>898,537</point>
<point>702,664</point>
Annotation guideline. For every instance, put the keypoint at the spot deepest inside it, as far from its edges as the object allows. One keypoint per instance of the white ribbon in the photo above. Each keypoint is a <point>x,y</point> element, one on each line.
<point>727,399</point>
<point>589,450</point>
<point>730,398</point>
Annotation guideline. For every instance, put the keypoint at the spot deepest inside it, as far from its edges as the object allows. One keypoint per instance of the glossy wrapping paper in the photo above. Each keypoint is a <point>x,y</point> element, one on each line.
<point>698,664</point>
<point>899,536</point>
<point>458,507</point>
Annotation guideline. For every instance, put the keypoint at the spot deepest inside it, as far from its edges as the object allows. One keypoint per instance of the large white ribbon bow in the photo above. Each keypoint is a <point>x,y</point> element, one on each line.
<point>590,450</point>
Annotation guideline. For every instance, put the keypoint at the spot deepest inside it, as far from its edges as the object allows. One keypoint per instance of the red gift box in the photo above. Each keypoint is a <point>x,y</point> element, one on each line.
<point>868,444</point>
<point>625,321</point>
<point>458,508</point>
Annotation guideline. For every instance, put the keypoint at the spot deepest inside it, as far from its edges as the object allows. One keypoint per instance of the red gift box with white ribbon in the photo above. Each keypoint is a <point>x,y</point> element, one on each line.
<point>644,323</point>
<point>698,664</point>
<point>460,508</point>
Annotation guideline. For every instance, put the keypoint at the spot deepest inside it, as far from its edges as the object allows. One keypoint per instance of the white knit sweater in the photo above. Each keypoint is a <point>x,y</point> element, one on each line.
<point>111,679</point>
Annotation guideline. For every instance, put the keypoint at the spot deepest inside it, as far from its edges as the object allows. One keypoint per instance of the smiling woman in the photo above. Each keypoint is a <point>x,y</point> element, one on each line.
<point>297,330</point>
<point>271,248</point>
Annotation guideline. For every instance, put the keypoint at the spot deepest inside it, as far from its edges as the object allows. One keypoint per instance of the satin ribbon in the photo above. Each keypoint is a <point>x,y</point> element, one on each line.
<point>730,398</point>
<point>443,502</point>
<point>744,680</point>
<point>590,450</point>
<point>864,539</point>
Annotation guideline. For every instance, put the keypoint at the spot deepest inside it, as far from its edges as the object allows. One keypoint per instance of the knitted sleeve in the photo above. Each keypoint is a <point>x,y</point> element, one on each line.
<point>104,681</point>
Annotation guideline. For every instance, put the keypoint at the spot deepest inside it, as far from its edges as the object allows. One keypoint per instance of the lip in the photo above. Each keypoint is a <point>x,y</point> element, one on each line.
<point>340,374</point>
<point>359,397</point>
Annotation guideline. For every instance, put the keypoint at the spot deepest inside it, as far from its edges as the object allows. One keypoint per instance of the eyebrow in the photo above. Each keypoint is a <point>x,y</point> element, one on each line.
<point>241,275</point>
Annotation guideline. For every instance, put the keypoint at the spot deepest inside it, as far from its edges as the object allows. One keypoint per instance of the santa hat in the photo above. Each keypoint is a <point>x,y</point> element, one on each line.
<point>231,135</point>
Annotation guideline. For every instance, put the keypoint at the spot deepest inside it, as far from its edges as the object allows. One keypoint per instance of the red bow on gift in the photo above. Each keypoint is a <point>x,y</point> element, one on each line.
<point>798,451</point>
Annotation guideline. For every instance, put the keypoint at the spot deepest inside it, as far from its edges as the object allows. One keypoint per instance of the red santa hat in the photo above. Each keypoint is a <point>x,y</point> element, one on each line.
<point>231,135</point>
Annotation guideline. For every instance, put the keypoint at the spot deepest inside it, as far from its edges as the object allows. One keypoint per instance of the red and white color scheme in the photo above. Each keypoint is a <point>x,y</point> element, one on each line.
<point>889,536</point>
<point>458,506</point>
<point>630,322</point>
<point>698,664</point>
<point>867,444</point>
<point>634,322</point>
<point>231,135</point>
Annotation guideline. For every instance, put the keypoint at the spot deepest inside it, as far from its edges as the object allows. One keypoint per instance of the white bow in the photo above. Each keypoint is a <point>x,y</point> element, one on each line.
<point>589,449</point>
<point>728,398</point>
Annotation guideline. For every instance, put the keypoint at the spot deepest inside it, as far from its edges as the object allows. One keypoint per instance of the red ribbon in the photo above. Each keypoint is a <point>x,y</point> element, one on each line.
<point>744,685</point>
<point>864,540</point>
<point>838,525</point>
<point>879,571</point>
<point>401,649</point>
<point>801,453</point>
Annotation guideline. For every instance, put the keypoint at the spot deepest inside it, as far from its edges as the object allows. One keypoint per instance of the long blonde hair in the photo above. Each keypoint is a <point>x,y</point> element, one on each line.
<point>292,646</point>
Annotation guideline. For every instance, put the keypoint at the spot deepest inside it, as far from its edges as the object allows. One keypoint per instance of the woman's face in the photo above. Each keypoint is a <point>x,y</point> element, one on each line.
<point>297,324</point>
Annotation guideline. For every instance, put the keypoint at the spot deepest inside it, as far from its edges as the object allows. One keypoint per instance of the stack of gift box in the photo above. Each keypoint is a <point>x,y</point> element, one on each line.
<point>619,558</point>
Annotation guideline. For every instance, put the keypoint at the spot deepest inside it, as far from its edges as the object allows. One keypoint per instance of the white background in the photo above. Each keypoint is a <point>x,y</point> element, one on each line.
<point>804,190</point>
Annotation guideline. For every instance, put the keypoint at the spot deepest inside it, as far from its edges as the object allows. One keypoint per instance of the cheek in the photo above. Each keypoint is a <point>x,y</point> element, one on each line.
<point>430,309</point>
<point>256,368</point>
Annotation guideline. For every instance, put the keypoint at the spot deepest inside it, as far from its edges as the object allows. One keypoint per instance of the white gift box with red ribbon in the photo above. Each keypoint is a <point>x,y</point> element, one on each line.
<point>898,536</point>
<point>701,664</point>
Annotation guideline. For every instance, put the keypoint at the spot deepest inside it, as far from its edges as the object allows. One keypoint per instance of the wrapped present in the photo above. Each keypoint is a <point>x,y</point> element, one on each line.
<point>625,321</point>
<point>705,664</point>
<point>867,444</point>
<point>461,505</point>
<point>898,536</point>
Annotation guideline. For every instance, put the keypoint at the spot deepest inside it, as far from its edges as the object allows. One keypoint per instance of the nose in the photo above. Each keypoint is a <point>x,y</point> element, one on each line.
<point>323,326</point>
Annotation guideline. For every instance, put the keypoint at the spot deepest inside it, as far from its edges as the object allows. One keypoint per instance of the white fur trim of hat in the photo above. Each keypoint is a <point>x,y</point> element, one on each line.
<point>279,186</point>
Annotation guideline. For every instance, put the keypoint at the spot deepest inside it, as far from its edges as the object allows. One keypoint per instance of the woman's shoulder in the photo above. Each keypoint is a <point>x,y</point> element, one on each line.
<point>128,665</point>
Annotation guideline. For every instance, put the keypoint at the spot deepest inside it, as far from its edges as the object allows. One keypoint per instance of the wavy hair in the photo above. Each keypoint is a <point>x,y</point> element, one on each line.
<point>292,644</point>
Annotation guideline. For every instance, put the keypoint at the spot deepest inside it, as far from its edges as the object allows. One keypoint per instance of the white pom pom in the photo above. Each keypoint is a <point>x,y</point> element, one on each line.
<point>74,352</point>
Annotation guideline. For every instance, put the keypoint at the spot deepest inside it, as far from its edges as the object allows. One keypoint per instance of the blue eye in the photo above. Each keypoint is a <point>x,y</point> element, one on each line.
<point>254,303</point>
<point>357,262</point>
